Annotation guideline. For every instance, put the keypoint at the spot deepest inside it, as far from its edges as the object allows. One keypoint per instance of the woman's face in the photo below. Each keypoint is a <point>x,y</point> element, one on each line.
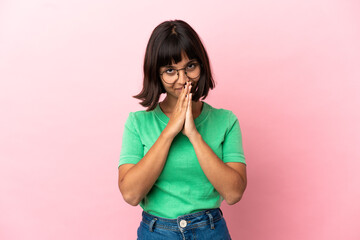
<point>174,89</point>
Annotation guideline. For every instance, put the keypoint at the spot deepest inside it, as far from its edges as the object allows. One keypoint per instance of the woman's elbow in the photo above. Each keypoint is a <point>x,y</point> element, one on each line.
<point>133,201</point>
<point>129,198</point>
<point>231,200</point>
<point>237,194</point>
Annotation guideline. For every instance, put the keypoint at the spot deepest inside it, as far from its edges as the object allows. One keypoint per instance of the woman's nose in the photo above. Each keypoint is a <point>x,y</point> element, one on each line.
<point>183,78</point>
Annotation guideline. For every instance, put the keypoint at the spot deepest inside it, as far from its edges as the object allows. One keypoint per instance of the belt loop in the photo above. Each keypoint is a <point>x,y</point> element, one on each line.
<point>211,220</point>
<point>152,224</point>
<point>221,212</point>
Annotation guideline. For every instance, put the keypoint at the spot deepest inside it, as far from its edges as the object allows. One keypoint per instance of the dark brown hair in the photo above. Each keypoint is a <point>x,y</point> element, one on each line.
<point>165,45</point>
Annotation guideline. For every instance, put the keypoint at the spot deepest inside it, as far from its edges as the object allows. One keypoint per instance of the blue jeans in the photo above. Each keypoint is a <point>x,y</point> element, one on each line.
<point>208,224</point>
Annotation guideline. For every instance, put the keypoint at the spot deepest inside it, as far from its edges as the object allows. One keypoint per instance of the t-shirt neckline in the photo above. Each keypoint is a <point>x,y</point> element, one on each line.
<point>198,120</point>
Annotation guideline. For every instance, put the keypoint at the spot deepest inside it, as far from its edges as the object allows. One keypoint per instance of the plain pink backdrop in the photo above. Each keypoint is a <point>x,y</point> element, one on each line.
<point>288,69</point>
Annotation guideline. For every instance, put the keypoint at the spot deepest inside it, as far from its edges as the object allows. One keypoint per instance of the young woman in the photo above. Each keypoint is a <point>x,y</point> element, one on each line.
<point>181,157</point>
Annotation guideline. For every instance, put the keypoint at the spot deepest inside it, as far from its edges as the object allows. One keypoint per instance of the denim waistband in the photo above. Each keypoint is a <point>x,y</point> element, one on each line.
<point>184,222</point>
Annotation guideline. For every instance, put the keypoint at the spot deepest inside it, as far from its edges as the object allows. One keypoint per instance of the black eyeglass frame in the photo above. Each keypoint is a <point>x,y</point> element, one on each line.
<point>177,73</point>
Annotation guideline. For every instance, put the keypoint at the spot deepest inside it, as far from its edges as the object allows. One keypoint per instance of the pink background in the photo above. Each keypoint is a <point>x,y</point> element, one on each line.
<point>288,69</point>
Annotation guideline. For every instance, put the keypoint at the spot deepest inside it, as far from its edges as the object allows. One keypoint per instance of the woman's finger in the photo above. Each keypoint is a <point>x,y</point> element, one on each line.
<point>184,96</point>
<point>190,98</point>
<point>181,98</point>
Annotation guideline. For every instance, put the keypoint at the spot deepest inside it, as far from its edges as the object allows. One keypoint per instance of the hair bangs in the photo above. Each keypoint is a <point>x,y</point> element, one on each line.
<point>171,49</point>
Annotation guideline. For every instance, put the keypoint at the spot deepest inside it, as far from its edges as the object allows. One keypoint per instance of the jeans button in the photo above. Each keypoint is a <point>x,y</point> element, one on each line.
<point>183,223</point>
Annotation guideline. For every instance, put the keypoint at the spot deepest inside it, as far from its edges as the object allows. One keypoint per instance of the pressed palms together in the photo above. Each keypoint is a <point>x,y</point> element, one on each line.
<point>182,118</point>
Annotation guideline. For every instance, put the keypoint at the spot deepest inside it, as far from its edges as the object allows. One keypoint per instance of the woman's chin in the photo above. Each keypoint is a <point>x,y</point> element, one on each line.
<point>178,91</point>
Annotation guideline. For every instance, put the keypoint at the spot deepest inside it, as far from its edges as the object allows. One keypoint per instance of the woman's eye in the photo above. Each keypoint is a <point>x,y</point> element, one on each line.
<point>191,66</point>
<point>169,71</point>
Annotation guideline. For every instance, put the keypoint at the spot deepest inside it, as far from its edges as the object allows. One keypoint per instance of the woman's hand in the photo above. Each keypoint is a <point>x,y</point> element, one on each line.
<point>177,118</point>
<point>189,127</point>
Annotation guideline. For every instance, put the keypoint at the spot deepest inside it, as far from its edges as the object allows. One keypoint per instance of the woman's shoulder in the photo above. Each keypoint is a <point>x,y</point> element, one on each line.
<point>136,119</point>
<point>140,115</point>
<point>221,112</point>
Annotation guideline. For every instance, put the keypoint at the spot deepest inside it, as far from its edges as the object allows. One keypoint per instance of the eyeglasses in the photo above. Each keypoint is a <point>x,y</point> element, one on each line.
<point>171,75</point>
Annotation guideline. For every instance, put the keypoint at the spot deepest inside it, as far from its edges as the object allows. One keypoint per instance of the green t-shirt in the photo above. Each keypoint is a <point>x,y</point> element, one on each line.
<point>182,187</point>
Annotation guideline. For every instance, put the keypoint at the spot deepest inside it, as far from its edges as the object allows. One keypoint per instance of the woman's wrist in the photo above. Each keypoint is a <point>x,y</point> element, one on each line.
<point>195,137</point>
<point>167,135</point>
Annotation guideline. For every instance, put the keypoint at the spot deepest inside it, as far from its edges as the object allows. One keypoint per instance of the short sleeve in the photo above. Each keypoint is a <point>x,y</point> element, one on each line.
<point>132,149</point>
<point>232,145</point>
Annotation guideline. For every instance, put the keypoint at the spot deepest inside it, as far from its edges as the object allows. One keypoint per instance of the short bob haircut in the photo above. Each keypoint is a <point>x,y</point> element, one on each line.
<point>165,45</point>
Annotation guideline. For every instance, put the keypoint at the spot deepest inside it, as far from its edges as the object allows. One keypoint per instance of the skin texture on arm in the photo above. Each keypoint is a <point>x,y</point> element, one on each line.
<point>136,180</point>
<point>229,179</point>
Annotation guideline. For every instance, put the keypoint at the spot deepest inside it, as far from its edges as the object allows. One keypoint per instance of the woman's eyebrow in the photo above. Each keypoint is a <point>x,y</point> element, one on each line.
<point>192,60</point>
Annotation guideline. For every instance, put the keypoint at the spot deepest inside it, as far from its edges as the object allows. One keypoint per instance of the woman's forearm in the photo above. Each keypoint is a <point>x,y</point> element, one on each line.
<point>139,179</point>
<point>225,179</point>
